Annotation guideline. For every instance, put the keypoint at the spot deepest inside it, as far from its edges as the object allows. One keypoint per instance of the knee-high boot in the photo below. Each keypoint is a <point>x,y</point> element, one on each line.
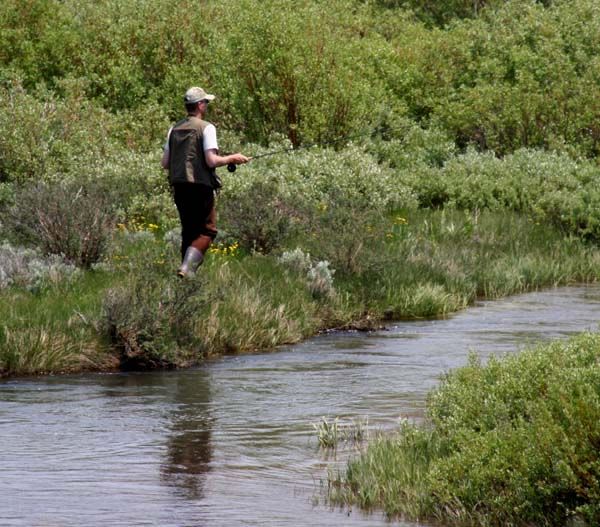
<point>191,261</point>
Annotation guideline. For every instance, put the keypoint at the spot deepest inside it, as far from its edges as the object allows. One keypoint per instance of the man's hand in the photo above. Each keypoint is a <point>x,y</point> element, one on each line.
<point>237,159</point>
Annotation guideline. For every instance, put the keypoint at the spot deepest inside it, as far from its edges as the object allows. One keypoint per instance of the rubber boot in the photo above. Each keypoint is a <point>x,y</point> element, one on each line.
<point>191,261</point>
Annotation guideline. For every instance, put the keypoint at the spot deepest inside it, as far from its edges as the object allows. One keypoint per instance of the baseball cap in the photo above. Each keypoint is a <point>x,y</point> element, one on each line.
<point>196,94</point>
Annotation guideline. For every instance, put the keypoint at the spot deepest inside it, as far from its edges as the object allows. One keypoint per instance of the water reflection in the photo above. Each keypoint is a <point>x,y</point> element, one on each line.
<point>189,450</point>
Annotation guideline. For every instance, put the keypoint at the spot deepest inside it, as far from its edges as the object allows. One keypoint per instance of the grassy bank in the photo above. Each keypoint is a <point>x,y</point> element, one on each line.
<point>130,311</point>
<point>513,442</point>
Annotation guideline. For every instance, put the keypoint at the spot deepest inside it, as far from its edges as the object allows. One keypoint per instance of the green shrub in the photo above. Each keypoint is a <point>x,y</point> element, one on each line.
<point>551,187</point>
<point>68,219</point>
<point>329,194</point>
<point>515,76</point>
<point>282,68</point>
<point>151,321</point>
<point>403,144</point>
<point>52,132</point>
<point>27,268</point>
<point>528,449</point>
<point>257,216</point>
<point>514,442</point>
<point>498,74</point>
<point>346,233</point>
<point>440,13</point>
<point>314,178</point>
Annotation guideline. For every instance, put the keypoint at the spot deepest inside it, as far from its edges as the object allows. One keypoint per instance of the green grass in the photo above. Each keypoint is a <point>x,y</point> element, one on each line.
<point>420,264</point>
<point>53,331</point>
<point>514,442</point>
<point>435,263</point>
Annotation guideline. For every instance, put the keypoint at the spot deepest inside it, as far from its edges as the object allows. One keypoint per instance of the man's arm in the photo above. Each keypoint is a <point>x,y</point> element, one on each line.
<point>164,162</point>
<point>214,160</point>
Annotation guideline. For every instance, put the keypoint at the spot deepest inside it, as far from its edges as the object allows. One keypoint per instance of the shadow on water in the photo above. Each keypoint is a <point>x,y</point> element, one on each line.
<point>186,398</point>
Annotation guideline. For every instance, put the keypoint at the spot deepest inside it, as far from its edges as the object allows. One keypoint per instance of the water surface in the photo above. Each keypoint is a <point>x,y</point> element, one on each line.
<point>232,443</point>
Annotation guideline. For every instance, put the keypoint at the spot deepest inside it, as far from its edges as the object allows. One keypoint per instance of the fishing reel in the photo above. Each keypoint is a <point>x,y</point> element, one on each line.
<point>231,167</point>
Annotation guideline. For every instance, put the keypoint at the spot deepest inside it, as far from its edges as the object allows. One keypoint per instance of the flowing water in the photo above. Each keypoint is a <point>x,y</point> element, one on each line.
<point>232,443</point>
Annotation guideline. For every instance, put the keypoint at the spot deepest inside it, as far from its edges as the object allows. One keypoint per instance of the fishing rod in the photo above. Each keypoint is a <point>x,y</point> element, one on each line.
<point>232,166</point>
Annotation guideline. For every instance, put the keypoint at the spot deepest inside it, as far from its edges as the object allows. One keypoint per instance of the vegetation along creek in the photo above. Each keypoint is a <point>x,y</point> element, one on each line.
<point>415,179</point>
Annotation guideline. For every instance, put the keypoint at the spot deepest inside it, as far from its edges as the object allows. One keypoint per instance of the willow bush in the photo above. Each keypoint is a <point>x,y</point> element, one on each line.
<point>282,68</point>
<point>52,131</point>
<point>515,76</point>
<point>550,187</point>
<point>501,75</point>
<point>512,442</point>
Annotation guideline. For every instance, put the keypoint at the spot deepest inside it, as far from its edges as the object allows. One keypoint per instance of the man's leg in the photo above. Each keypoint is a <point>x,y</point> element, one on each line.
<point>183,194</point>
<point>202,242</point>
<point>191,261</point>
<point>195,204</point>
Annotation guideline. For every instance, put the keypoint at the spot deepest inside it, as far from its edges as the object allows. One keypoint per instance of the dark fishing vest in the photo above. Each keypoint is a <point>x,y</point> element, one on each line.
<point>186,154</point>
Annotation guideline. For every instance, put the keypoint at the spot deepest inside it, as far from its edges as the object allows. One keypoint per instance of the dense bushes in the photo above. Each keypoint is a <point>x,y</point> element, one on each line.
<point>93,98</point>
<point>276,66</point>
<point>512,74</point>
<point>549,187</point>
<point>514,442</point>
<point>516,76</point>
<point>44,135</point>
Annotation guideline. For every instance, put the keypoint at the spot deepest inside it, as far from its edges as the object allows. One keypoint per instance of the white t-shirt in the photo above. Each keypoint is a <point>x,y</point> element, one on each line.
<point>209,138</point>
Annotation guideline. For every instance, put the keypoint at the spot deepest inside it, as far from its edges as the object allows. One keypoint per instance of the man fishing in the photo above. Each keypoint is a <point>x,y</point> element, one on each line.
<point>191,155</point>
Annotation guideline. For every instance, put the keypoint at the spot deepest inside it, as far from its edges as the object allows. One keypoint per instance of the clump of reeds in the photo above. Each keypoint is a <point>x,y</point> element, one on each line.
<point>332,432</point>
<point>255,308</point>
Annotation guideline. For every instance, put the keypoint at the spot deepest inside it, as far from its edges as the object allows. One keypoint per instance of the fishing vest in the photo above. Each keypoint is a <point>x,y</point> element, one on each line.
<point>186,154</point>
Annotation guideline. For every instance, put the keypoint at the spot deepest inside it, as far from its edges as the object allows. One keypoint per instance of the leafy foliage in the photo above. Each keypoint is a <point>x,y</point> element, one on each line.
<point>502,75</point>
<point>257,216</point>
<point>513,442</point>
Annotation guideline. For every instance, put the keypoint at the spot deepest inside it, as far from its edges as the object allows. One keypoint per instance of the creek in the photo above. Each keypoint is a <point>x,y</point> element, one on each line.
<point>232,443</point>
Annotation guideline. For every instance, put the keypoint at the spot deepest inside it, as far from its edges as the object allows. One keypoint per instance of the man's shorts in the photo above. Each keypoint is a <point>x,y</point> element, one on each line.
<point>196,206</point>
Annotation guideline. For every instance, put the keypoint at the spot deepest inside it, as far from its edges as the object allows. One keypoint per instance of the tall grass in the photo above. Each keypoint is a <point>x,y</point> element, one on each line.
<point>391,474</point>
<point>434,263</point>
<point>39,350</point>
<point>250,312</point>
<point>52,329</point>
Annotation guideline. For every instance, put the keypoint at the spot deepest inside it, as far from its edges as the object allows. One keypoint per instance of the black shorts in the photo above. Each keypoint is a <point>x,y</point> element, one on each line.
<point>196,206</point>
